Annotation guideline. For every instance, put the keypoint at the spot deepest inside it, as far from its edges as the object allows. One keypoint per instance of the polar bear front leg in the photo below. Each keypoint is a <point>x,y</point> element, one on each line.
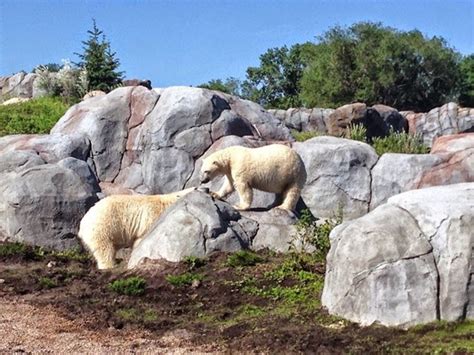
<point>245,194</point>
<point>226,189</point>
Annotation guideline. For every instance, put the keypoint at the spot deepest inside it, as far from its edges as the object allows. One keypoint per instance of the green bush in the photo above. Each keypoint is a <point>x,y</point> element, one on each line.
<point>400,143</point>
<point>194,262</point>
<point>305,135</point>
<point>358,133</point>
<point>243,258</point>
<point>183,279</point>
<point>311,233</point>
<point>47,282</point>
<point>131,286</point>
<point>34,116</point>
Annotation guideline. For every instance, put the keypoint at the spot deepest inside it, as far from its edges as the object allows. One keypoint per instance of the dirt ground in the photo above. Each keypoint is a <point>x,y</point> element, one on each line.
<point>63,304</point>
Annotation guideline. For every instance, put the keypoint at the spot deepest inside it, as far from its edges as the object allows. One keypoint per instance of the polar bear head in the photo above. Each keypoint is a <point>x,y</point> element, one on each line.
<point>210,169</point>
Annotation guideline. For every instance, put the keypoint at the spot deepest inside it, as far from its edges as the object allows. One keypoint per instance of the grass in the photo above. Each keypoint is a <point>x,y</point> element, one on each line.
<point>47,282</point>
<point>130,286</point>
<point>28,252</point>
<point>33,116</point>
<point>399,143</point>
<point>305,135</point>
<point>137,315</point>
<point>194,262</point>
<point>185,279</point>
<point>358,133</point>
<point>243,258</point>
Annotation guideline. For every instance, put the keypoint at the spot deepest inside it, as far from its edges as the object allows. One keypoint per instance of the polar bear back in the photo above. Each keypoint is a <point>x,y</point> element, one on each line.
<point>270,168</point>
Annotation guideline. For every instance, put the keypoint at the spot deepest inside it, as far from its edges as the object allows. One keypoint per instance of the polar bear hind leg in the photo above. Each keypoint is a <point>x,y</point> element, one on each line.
<point>290,198</point>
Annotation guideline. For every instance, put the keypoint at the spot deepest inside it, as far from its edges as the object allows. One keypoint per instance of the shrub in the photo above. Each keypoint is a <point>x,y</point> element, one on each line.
<point>183,279</point>
<point>305,135</point>
<point>194,262</point>
<point>243,258</point>
<point>310,232</point>
<point>34,116</point>
<point>400,143</point>
<point>46,282</point>
<point>131,286</point>
<point>358,133</point>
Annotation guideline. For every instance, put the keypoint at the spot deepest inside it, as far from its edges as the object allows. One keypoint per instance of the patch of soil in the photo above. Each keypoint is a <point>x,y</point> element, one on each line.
<point>204,315</point>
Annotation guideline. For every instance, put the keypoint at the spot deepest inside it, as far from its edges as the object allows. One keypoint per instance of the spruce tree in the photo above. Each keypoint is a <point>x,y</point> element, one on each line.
<point>100,62</point>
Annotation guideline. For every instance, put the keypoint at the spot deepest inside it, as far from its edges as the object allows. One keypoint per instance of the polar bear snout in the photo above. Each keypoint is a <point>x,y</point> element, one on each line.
<point>205,177</point>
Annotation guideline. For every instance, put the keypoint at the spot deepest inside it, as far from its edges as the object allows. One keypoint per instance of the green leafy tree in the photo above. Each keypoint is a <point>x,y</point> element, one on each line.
<point>375,64</point>
<point>466,97</point>
<point>230,86</point>
<point>276,82</point>
<point>100,62</point>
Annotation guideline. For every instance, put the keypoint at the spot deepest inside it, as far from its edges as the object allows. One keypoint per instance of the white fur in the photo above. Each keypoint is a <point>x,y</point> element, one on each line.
<point>272,168</point>
<point>121,221</point>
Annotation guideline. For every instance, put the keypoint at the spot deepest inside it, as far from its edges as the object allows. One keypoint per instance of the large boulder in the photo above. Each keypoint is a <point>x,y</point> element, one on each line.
<point>339,175</point>
<point>196,225</point>
<point>445,120</point>
<point>42,204</point>
<point>407,262</point>
<point>148,141</point>
<point>304,119</point>
<point>394,120</point>
<point>451,161</point>
<point>344,117</point>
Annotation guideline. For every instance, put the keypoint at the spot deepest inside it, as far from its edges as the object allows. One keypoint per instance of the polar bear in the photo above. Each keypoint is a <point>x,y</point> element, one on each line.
<point>272,168</point>
<point>121,221</point>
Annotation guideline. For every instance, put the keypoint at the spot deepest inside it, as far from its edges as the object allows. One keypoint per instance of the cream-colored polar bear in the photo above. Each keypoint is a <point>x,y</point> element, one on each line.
<point>272,168</point>
<point>121,221</point>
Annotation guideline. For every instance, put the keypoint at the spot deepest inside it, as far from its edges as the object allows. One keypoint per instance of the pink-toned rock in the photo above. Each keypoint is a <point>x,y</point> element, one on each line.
<point>453,143</point>
<point>93,93</point>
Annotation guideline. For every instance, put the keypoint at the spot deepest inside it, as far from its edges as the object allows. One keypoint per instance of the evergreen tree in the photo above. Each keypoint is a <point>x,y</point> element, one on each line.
<point>100,62</point>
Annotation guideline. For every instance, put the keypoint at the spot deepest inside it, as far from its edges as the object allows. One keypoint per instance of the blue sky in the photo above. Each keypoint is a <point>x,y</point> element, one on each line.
<point>188,42</point>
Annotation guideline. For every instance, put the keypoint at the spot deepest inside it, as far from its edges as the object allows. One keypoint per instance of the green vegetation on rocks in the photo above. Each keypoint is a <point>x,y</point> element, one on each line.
<point>33,116</point>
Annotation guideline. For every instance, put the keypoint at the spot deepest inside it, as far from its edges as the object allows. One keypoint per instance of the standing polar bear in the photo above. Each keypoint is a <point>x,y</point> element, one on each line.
<point>121,221</point>
<point>272,168</point>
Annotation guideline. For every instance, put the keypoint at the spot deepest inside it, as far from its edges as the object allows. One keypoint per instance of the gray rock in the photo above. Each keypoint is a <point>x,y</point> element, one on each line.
<point>194,141</point>
<point>196,225</point>
<point>82,169</point>
<point>50,147</point>
<point>396,173</point>
<point>16,160</point>
<point>103,120</point>
<point>43,206</point>
<point>230,124</point>
<point>338,175</point>
<point>406,262</point>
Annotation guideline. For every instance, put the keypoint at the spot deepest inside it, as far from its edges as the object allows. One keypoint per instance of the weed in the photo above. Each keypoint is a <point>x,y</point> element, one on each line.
<point>47,282</point>
<point>243,258</point>
<point>131,286</point>
<point>311,233</point>
<point>27,252</point>
<point>194,262</point>
<point>305,135</point>
<point>184,279</point>
<point>400,143</point>
<point>71,254</point>
<point>357,132</point>
<point>34,116</point>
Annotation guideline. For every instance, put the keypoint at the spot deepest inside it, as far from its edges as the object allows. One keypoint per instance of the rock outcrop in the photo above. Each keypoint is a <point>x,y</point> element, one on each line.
<point>198,225</point>
<point>407,262</point>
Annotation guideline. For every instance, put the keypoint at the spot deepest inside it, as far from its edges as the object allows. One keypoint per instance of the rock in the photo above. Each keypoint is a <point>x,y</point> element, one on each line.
<point>17,160</point>
<point>137,82</point>
<point>304,119</point>
<point>396,173</point>
<point>93,93</point>
<point>43,205</point>
<point>407,262</point>
<point>338,175</point>
<point>453,143</point>
<point>82,169</point>
<point>343,117</point>
<point>276,230</point>
<point>392,118</point>
<point>231,124</point>
<point>50,147</point>
<point>196,226</point>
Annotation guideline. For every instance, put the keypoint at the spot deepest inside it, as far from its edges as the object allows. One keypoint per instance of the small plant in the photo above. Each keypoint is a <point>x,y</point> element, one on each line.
<point>185,279</point>
<point>194,262</point>
<point>47,282</point>
<point>243,258</point>
<point>130,286</point>
<point>357,132</point>
<point>71,254</point>
<point>402,142</point>
<point>313,233</point>
<point>305,135</point>
<point>33,116</point>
